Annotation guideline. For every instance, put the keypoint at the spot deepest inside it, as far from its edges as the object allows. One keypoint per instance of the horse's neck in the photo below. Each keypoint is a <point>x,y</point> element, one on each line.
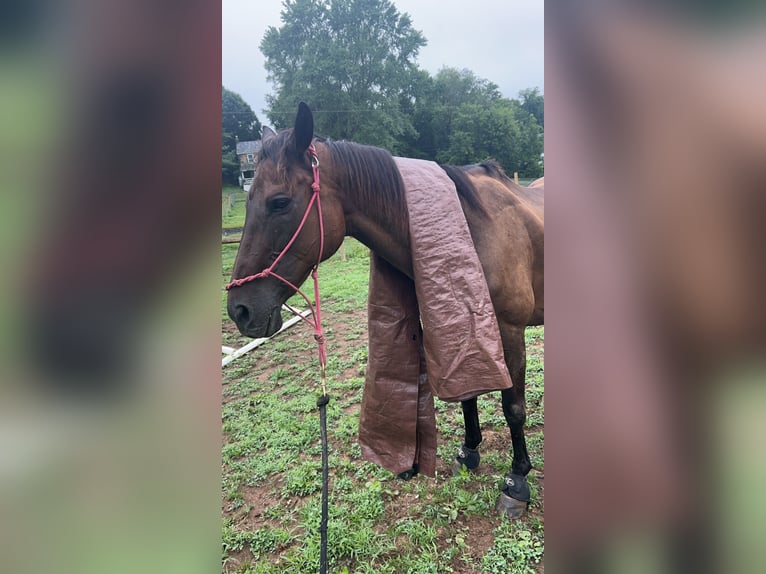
<point>380,238</point>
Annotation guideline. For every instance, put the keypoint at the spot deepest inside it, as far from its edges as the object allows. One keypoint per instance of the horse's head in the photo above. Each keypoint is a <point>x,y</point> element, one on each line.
<point>276,203</point>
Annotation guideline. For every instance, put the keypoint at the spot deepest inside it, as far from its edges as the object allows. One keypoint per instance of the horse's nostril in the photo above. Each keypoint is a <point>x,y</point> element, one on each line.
<point>240,315</point>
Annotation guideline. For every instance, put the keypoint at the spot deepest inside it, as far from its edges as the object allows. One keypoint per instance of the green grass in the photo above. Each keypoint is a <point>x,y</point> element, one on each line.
<point>272,456</point>
<point>233,215</point>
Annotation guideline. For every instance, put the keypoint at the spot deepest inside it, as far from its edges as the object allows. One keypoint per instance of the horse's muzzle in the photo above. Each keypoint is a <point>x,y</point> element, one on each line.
<point>253,322</point>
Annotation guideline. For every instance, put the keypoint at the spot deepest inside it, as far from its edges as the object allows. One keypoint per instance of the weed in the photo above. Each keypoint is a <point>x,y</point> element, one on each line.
<point>301,480</point>
<point>267,540</point>
<point>516,550</point>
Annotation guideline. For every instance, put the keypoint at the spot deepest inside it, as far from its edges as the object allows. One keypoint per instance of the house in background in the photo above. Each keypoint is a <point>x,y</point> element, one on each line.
<point>247,152</point>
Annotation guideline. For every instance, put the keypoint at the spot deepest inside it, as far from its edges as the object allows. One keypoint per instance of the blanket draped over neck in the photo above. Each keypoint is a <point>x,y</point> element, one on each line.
<point>456,355</point>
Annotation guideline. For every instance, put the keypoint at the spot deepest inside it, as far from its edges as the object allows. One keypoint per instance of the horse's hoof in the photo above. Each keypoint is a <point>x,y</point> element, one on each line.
<point>511,507</point>
<point>409,473</point>
<point>515,486</point>
<point>468,457</point>
<point>514,497</point>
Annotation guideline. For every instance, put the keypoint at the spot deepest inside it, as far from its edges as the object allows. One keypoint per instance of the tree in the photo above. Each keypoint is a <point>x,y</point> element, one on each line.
<point>530,142</point>
<point>502,131</point>
<point>229,160</point>
<point>461,118</point>
<point>437,101</point>
<point>239,119</point>
<point>533,102</point>
<point>352,61</point>
<point>239,123</point>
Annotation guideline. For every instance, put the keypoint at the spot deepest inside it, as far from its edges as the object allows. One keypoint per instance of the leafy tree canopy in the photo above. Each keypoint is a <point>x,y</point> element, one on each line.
<point>239,120</point>
<point>503,131</point>
<point>461,118</point>
<point>534,103</point>
<point>352,61</point>
<point>239,123</point>
<point>437,100</point>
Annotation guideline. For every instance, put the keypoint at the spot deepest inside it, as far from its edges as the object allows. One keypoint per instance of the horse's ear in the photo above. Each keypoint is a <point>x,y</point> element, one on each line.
<point>267,133</point>
<point>304,128</point>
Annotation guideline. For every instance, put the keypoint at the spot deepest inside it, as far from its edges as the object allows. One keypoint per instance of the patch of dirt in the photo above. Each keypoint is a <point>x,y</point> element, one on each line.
<point>231,335</point>
<point>255,504</point>
<point>235,561</point>
<point>478,537</point>
<point>351,409</point>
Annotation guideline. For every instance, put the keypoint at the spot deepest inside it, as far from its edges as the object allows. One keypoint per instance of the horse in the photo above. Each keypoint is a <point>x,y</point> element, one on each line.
<point>362,196</point>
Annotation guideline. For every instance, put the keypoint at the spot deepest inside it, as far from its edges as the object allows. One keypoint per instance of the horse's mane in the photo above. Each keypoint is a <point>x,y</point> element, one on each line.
<point>494,169</point>
<point>490,168</point>
<point>465,187</point>
<point>372,173</point>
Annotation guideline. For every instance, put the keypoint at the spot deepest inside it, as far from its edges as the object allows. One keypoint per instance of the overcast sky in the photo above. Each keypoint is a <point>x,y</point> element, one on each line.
<point>499,40</point>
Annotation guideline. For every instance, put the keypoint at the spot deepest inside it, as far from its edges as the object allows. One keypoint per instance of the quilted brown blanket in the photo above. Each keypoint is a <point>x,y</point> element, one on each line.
<point>457,354</point>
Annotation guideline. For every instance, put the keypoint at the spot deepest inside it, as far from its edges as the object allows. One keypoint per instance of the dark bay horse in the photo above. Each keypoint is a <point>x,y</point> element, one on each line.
<point>362,196</point>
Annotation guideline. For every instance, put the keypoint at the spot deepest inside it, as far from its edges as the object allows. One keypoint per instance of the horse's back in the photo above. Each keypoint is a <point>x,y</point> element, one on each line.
<point>500,195</point>
<point>509,240</point>
<point>532,197</point>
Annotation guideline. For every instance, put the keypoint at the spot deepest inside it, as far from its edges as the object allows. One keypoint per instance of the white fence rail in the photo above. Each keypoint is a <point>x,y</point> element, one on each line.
<point>230,353</point>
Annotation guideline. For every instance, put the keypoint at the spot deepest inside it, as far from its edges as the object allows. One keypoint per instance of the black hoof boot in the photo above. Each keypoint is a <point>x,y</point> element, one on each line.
<point>514,498</point>
<point>408,474</point>
<point>468,457</point>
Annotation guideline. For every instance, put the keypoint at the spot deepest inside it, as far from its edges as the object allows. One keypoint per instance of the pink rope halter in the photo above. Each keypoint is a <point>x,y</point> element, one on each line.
<point>316,308</point>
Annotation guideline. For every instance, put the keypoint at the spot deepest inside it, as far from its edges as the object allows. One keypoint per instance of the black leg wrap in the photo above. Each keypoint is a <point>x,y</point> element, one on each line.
<point>408,474</point>
<point>468,456</point>
<point>516,487</point>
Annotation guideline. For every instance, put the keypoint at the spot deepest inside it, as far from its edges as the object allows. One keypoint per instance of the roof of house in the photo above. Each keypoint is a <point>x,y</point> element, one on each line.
<point>248,147</point>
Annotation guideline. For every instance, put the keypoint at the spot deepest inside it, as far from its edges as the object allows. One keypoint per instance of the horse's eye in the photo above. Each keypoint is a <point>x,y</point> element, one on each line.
<point>279,203</point>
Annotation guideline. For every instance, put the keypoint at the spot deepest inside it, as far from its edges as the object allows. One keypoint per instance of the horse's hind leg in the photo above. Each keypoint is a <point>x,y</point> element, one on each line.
<point>515,493</point>
<point>468,454</point>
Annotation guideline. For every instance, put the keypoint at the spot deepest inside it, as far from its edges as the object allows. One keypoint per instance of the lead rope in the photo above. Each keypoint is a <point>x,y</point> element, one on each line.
<point>322,404</point>
<point>316,323</point>
<point>324,398</point>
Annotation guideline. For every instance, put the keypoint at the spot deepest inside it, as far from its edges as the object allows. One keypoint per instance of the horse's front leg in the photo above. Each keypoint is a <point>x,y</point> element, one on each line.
<point>515,496</point>
<point>468,454</point>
